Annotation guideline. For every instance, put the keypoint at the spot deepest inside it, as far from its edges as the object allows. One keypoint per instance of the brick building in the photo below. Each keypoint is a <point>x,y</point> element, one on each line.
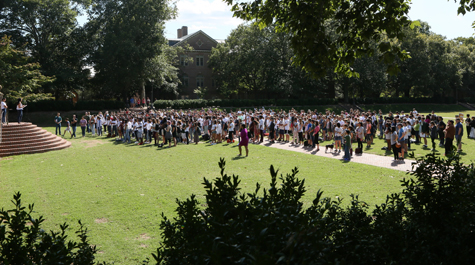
<point>196,73</point>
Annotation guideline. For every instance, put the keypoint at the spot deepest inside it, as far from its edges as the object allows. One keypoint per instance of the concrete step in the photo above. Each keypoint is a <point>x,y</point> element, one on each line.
<point>42,149</point>
<point>33,141</point>
<point>27,138</point>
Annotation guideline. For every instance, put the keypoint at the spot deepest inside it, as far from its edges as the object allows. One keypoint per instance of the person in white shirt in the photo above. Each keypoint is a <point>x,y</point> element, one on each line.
<point>4,110</point>
<point>140,131</point>
<point>128,130</point>
<point>231,130</point>
<point>19,108</point>
<point>262,127</point>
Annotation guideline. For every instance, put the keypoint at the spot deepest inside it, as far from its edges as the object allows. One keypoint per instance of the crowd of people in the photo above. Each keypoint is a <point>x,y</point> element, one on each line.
<point>167,128</point>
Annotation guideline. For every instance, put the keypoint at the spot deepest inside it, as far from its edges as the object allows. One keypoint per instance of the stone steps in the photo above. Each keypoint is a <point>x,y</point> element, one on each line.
<point>26,138</point>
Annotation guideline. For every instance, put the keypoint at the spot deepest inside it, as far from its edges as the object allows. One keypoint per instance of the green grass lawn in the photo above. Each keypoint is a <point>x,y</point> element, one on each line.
<point>119,191</point>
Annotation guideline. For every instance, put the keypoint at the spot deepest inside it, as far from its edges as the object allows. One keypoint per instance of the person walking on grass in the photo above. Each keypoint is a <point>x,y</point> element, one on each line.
<point>58,120</point>
<point>68,128</point>
<point>244,140</point>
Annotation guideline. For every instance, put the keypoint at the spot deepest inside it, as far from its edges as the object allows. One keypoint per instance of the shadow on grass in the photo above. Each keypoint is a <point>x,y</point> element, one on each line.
<point>238,157</point>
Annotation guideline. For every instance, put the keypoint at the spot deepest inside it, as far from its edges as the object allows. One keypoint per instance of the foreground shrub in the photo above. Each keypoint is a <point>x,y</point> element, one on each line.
<point>22,241</point>
<point>430,222</point>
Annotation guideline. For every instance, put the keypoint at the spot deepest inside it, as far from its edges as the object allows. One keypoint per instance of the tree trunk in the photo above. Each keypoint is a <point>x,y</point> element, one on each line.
<point>142,84</point>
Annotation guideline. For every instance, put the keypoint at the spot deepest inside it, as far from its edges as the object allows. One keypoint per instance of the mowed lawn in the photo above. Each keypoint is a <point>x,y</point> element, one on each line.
<point>119,191</point>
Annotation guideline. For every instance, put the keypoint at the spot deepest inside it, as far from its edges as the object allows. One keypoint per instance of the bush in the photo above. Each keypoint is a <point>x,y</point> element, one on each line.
<point>240,103</point>
<point>386,100</point>
<point>65,105</point>
<point>22,241</point>
<point>430,222</point>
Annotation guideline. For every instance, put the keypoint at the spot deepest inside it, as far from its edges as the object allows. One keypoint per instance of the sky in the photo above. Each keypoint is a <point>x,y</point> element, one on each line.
<point>215,18</point>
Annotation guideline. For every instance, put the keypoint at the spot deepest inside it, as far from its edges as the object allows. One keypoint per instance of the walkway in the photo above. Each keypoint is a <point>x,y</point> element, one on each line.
<point>365,158</point>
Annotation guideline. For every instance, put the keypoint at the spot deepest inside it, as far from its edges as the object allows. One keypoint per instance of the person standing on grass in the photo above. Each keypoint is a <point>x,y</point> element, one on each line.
<point>425,130</point>
<point>58,120</point>
<point>467,124</point>
<point>4,109</point>
<point>338,138</point>
<point>316,136</point>
<point>348,137</point>
<point>449,137</point>
<point>417,128</point>
<point>244,140</point>
<point>394,143</point>
<point>459,134</point>
<point>83,123</point>
<point>441,128</point>
<point>99,119</point>
<point>92,125</point>
<point>433,134</point>
<point>74,123</point>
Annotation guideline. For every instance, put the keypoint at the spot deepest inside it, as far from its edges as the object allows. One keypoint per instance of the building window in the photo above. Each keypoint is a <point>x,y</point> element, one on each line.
<point>200,80</point>
<point>183,60</point>
<point>185,81</point>
<point>199,60</point>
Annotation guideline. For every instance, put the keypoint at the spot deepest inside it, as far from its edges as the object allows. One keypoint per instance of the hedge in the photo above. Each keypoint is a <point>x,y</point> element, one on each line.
<point>63,105</point>
<point>367,101</point>
<point>240,103</point>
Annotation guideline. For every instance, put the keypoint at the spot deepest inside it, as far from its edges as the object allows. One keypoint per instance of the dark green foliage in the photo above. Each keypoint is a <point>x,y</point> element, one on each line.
<point>22,241</point>
<point>65,105</point>
<point>382,100</point>
<point>238,103</point>
<point>430,222</point>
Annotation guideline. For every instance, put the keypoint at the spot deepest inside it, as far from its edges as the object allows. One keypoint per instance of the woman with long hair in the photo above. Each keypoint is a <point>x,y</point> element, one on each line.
<point>19,108</point>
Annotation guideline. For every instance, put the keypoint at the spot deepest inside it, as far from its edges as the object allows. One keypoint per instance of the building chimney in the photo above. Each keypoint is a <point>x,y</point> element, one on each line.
<point>184,31</point>
<point>179,33</point>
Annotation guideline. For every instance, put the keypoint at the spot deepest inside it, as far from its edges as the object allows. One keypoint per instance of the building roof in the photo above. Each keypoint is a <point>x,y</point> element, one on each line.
<point>176,42</point>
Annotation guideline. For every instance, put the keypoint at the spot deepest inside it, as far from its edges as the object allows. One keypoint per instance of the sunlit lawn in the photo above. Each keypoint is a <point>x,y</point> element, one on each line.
<point>119,190</point>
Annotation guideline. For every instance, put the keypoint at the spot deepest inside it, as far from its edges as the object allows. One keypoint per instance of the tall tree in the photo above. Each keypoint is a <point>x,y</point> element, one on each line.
<point>18,75</point>
<point>50,31</point>
<point>128,34</point>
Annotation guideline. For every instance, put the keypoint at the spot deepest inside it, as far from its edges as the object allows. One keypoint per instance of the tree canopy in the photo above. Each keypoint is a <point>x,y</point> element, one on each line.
<point>357,24</point>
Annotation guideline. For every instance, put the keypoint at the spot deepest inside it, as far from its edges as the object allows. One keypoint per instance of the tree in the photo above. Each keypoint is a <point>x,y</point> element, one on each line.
<point>127,35</point>
<point>18,75</point>
<point>162,70</point>
<point>257,63</point>
<point>51,34</point>
<point>358,24</point>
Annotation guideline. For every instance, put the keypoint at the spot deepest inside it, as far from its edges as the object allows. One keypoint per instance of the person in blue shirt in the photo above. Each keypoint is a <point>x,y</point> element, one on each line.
<point>459,134</point>
<point>400,138</point>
